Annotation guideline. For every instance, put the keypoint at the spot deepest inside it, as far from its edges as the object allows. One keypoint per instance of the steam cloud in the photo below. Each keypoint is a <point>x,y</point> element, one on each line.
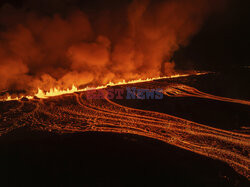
<point>78,47</point>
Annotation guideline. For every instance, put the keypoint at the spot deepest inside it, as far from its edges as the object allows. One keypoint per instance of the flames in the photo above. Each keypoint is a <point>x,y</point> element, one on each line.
<point>57,91</point>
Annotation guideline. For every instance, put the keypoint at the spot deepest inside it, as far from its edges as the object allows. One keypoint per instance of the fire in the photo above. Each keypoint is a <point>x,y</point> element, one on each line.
<point>57,92</point>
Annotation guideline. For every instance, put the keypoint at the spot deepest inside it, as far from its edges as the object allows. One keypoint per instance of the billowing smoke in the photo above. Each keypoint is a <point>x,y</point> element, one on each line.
<point>73,46</point>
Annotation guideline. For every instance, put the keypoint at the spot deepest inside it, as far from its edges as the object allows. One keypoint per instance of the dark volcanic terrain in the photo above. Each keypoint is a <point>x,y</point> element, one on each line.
<point>198,135</point>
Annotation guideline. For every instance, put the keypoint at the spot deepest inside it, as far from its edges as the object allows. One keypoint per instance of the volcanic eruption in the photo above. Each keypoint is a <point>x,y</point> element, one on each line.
<point>57,50</point>
<point>53,57</point>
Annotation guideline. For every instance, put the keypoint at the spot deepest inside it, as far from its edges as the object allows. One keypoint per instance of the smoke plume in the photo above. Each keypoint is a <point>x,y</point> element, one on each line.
<point>51,47</point>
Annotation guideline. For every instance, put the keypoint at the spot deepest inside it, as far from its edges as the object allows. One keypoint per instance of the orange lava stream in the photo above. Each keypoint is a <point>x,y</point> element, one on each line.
<point>74,113</point>
<point>57,92</point>
<point>187,91</point>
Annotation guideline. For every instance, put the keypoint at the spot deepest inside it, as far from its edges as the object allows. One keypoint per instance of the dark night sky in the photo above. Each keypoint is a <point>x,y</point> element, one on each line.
<point>222,43</point>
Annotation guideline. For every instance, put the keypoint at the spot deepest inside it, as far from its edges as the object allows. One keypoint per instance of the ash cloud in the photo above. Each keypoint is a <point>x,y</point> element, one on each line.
<point>69,44</point>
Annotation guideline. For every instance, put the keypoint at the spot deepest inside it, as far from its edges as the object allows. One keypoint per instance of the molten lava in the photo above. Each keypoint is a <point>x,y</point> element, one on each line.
<point>56,91</point>
<point>74,113</point>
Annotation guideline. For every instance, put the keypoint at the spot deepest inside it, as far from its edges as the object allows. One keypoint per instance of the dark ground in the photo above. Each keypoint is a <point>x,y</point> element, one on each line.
<point>103,159</point>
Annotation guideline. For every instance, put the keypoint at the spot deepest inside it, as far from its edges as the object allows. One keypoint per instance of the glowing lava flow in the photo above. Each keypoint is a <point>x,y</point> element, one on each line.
<point>179,90</point>
<point>57,92</point>
<point>74,113</point>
